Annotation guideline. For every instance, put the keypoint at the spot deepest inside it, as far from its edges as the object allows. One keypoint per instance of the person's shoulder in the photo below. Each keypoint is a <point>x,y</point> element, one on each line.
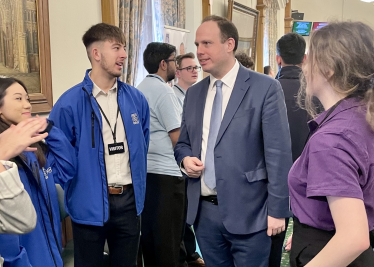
<point>72,95</point>
<point>132,90</point>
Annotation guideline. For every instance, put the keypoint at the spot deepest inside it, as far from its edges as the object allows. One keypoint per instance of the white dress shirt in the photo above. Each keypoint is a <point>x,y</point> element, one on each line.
<point>228,85</point>
<point>118,165</point>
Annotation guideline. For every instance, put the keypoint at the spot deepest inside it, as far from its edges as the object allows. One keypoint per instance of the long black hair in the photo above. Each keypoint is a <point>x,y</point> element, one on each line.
<point>5,83</point>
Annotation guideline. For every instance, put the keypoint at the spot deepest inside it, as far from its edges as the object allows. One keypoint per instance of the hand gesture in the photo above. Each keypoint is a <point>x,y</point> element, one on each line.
<point>17,139</point>
<point>193,167</point>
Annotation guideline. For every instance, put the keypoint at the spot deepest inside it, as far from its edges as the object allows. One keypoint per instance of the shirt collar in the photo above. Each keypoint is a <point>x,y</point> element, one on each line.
<point>157,77</point>
<point>346,104</point>
<point>230,77</point>
<point>96,90</point>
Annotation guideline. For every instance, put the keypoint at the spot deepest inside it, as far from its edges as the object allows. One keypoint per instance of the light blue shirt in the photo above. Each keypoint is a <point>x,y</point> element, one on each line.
<point>180,93</point>
<point>165,116</point>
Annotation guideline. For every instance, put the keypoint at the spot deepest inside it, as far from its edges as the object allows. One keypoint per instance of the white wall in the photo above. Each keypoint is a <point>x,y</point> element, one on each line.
<point>329,10</point>
<point>68,20</point>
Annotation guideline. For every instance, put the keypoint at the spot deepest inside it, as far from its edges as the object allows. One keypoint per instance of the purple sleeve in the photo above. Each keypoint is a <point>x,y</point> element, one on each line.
<point>334,167</point>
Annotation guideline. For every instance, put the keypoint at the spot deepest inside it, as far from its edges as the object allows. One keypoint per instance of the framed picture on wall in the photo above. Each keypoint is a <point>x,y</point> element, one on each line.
<point>25,48</point>
<point>246,21</point>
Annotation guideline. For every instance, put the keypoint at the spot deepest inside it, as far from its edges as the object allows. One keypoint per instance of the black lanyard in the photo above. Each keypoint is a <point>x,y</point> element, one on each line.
<point>157,77</point>
<point>324,119</point>
<point>179,88</point>
<point>115,125</point>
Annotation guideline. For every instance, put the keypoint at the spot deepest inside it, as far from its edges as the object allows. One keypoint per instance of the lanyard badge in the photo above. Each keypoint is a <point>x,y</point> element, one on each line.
<point>114,148</point>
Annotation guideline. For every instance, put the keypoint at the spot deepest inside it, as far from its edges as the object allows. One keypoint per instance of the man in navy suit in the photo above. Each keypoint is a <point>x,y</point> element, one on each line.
<point>235,147</point>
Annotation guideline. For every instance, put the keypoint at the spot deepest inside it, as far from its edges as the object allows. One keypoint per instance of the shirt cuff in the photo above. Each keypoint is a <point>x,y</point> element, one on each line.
<point>181,166</point>
<point>10,182</point>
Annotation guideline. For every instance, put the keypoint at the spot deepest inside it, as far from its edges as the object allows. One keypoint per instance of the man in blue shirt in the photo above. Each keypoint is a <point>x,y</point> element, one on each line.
<point>164,208</point>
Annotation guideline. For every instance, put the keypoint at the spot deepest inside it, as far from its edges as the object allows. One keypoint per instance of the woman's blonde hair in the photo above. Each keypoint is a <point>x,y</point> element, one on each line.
<point>343,52</point>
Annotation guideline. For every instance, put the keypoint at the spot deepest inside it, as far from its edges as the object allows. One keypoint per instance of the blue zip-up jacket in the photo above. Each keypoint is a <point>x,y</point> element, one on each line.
<point>42,246</point>
<point>77,114</point>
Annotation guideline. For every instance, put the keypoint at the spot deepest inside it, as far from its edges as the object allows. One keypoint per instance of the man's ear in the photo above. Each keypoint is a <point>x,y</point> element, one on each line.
<point>95,53</point>
<point>230,44</point>
<point>177,74</point>
<point>304,59</point>
<point>163,65</point>
<point>279,60</point>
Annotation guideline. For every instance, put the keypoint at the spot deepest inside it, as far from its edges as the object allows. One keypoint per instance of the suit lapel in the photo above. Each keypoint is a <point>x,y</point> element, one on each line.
<point>240,89</point>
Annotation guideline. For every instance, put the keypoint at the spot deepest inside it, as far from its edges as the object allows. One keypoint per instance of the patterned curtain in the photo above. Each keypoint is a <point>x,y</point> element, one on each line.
<point>131,16</point>
<point>174,12</point>
<point>271,33</point>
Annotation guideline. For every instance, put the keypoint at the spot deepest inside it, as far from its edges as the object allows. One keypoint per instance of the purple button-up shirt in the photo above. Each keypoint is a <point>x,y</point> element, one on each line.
<point>338,161</point>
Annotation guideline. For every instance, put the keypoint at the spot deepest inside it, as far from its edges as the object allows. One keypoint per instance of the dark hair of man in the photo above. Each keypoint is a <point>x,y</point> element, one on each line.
<point>155,53</point>
<point>180,58</point>
<point>103,32</point>
<point>227,28</point>
<point>5,83</point>
<point>291,48</point>
<point>244,59</point>
<point>267,70</point>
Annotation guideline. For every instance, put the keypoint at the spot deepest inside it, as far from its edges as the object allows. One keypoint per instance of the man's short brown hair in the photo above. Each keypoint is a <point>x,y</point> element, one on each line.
<point>103,32</point>
<point>181,57</point>
<point>245,60</point>
<point>226,27</point>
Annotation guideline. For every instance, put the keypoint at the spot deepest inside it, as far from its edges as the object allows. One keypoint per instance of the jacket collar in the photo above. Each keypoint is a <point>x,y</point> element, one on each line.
<point>289,72</point>
<point>88,84</point>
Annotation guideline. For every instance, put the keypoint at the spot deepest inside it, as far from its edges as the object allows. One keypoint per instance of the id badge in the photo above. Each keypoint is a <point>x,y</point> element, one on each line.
<point>116,148</point>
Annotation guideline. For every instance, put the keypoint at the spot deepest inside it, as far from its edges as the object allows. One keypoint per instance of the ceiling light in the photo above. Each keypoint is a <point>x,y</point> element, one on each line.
<point>367,1</point>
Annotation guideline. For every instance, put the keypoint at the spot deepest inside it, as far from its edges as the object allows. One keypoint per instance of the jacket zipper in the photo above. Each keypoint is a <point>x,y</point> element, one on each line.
<point>37,175</point>
<point>101,133</point>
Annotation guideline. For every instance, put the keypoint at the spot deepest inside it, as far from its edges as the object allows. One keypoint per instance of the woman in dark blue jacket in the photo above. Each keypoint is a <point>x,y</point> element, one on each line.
<point>53,161</point>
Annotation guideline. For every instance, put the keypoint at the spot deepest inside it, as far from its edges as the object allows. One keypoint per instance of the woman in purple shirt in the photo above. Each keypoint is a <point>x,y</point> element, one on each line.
<point>332,182</point>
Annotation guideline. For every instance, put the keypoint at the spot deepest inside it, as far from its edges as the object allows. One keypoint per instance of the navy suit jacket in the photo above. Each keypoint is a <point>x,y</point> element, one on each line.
<point>252,152</point>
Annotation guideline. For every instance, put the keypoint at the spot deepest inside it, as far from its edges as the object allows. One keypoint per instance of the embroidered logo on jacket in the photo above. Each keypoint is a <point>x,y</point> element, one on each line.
<point>135,119</point>
<point>46,171</point>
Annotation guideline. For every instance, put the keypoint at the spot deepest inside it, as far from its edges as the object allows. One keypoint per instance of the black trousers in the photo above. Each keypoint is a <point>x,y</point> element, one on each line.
<point>277,248</point>
<point>163,220</point>
<point>188,245</point>
<point>308,241</point>
<point>122,232</point>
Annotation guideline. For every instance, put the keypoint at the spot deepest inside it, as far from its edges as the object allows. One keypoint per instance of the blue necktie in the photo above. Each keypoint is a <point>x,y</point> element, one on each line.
<point>215,123</point>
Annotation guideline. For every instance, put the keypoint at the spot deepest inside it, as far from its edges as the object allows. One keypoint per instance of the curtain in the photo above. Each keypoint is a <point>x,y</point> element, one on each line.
<point>131,17</point>
<point>271,33</point>
<point>174,12</point>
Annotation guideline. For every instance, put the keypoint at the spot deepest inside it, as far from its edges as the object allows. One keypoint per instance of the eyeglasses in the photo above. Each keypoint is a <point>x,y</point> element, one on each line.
<point>190,68</point>
<point>168,60</point>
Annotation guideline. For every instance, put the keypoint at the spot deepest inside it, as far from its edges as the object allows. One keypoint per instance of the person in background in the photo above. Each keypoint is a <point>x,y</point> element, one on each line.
<point>331,184</point>
<point>235,148</point>
<point>107,122</point>
<point>290,56</point>
<point>39,170</point>
<point>17,213</point>
<point>187,74</point>
<point>245,60</point>
<point>268,70</point>
<point>163,216</point>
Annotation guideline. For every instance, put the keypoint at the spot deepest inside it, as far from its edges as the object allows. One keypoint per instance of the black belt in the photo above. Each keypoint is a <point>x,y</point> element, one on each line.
<point>212,199</point>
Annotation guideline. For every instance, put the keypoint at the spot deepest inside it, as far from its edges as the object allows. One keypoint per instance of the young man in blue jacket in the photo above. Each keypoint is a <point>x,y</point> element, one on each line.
<point>107,121</point>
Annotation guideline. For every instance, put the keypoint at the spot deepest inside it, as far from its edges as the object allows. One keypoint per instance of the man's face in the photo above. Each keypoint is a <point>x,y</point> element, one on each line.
<point>171,68</point>
<point>211,53</point>
<point>111,57</point>
<point>186,71</point>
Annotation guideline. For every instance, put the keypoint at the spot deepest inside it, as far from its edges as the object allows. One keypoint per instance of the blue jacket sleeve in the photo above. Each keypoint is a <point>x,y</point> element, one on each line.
<point>63,118</point>
<point>277,146</point>
<point>61,156</point>
<point>13,253</point>
<point>183,147</point>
